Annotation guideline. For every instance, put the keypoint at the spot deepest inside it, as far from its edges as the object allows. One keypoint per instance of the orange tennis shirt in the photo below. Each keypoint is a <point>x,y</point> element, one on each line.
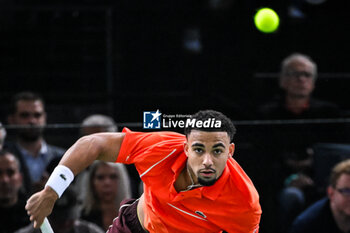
<point>231,204</point>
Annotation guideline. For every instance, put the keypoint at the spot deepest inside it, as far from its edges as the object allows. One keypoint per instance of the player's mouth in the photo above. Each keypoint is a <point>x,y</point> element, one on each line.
<point>207,172</point>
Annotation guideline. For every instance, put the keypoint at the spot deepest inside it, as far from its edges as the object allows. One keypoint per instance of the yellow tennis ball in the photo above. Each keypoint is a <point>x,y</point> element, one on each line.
<point>266,20</point>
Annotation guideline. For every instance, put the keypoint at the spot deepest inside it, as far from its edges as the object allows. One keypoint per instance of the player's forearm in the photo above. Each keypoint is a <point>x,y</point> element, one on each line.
<point>90,148</point>
<point>83,153</point>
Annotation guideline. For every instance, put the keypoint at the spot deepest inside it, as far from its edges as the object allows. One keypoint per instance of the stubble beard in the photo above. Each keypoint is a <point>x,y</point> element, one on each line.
<point>206,182</point>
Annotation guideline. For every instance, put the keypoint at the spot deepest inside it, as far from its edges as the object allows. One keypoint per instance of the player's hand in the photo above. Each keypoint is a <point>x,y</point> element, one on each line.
<point>40,205</point>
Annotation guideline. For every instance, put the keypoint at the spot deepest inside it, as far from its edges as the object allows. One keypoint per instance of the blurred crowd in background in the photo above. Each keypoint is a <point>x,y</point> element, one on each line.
<point>72,69</point>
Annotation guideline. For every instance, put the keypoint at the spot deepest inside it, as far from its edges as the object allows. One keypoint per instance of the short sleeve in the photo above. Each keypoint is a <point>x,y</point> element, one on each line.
<point>135,143</point>
<point>141,147</point>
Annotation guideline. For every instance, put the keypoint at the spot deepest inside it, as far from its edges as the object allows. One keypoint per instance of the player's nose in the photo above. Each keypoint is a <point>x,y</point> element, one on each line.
<point>207,160</point>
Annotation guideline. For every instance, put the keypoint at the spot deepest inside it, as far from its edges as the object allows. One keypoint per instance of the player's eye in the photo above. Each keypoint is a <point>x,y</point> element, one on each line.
<point>198,150</point>
<point>217,151</point>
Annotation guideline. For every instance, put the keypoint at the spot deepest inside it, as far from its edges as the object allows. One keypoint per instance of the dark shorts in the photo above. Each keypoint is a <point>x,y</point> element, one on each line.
<point>127,220</point>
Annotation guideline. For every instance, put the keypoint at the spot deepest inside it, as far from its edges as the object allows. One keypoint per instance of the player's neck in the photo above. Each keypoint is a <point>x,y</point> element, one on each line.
<point>185,181</point>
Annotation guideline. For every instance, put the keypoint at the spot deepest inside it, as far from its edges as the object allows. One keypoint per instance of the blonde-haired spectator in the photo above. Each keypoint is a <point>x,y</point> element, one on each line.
<point>107,184</point>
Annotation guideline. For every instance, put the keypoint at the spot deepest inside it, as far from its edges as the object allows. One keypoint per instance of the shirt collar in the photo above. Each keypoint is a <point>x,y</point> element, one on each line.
<point>211,192</point>
<point>43,149</point>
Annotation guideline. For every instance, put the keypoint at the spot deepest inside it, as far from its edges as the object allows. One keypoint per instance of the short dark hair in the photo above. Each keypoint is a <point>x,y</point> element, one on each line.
<point>26,96</point>
<point>4,152</point>
<point>226,124</point>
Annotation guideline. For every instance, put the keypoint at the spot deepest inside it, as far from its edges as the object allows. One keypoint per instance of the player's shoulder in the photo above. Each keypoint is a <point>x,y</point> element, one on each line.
<point>169,135</point>
<point>169,140</point>
<point>156,137</point>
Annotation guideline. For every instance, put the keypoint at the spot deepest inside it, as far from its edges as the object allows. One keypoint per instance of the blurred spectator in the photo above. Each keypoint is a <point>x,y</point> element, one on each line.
<point>65,217</point>
<point>107,185</point>
<point>2,136</point>
<point>294,158</point>
<point>331,214</point>
<point>12,213</point>
<point>297,81</point>
<point>27,110</point>
<point>96,124</point>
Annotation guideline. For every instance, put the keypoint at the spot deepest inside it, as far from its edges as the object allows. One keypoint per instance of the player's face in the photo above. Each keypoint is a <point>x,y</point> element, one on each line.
<point>340,195</point>
<point>299,80</point>
<point>105,182</point>
<point>207,154</point>
<point>29,113</point>
<point>10,180</point>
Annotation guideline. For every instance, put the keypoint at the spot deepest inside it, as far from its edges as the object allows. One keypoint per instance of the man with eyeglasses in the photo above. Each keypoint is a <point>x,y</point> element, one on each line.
<point>297,81</point>
<point>330,214</point>
<point>27,112</point>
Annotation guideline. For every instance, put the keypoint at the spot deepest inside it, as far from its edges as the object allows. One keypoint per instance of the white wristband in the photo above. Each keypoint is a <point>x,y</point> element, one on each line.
<point>60,179</point>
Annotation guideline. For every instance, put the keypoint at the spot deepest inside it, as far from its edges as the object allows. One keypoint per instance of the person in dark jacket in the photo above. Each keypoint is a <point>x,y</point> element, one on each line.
<point>27,110</point>
<point>332,213</point>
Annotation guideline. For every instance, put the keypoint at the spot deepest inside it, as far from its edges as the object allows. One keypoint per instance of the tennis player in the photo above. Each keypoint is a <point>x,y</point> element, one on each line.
<point>191,182</point>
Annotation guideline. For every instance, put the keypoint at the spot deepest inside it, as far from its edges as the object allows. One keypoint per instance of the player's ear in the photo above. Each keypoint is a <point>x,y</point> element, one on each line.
<point>186,148</point>
<point>231,149</point>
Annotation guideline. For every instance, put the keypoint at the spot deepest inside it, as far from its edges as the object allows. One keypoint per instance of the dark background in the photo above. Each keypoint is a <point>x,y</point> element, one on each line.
<point>124,57</point>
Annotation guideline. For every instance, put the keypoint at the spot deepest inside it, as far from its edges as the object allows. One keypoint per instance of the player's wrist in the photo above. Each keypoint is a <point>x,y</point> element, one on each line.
<point>60,179</point>
<point>50,193</point>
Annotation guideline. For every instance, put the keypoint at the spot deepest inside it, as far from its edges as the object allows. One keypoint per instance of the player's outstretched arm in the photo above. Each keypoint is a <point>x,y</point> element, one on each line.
<point>102,146</point>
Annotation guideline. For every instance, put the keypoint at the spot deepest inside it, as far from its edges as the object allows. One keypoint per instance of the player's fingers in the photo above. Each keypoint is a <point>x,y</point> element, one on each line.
<point>31,201</point>
<point>38,222</point>
<point>37,218</point>
<point>31,211</point>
